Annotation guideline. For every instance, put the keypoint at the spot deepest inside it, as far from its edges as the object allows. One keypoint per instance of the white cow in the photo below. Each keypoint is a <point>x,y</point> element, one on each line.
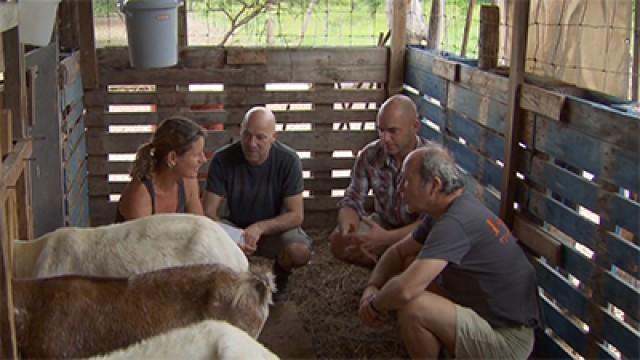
<point>128,248</point>
<point>206,340</point>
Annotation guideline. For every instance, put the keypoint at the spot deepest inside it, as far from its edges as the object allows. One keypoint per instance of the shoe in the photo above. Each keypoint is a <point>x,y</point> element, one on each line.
<point>280,296</point>
<point>282,280</point>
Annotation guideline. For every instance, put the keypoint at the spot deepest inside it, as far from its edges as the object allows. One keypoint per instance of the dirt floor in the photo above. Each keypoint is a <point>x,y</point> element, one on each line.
<point>326,293</point>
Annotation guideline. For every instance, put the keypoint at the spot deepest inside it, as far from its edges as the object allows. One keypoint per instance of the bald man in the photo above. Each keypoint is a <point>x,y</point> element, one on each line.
<point>261,180</point>
<point>361,238</point>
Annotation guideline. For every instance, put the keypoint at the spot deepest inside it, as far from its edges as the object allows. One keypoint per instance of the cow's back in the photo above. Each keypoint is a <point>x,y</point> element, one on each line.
<point>137,246</point>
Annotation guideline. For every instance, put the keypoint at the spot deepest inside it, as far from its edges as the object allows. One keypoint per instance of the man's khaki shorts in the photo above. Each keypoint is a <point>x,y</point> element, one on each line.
<point>476,339</point>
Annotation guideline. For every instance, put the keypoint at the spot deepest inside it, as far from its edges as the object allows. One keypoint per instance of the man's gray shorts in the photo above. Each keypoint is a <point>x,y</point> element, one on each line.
<point>270,246</point>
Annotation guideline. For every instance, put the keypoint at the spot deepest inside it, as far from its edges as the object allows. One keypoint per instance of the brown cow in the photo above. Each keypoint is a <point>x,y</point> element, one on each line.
<point>80,316</point>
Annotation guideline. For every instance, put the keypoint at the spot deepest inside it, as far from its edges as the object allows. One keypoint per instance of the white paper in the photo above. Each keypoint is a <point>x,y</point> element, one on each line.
<point>234,233</point>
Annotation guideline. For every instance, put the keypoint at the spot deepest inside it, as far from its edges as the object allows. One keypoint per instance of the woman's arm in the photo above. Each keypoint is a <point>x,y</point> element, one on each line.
<point>192,190</point>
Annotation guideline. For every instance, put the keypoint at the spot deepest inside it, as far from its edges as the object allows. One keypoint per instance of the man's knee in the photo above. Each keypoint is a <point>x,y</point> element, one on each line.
<point>296,254</point>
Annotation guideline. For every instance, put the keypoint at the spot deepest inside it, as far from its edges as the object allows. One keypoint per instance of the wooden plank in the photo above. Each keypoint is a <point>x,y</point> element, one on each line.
<point>69,69</point>
<point>103,212</point>
<point>240,56</point>
<point>575,301</point>
<point>88,58</point>
<point>603,122</point>
<point>15,83</point>
<point>446,69</point>
<point>485,83</point>
<point>514,113</point>
<point>101,166</point>
<point>536,239</point>
<point>429,110</point>
<point>613,251</point>
<point>588,153</point>
<point>98,118</point>
<point>299,140</point>
<point>565,329</point>
<point>74,114</point>
<point>480,108</point>
<point>622,211</point>
<point>8,16</point>
<point>430,134</point>
<point>541,101</point>
<point>398,46</point>
<point>239,96</point>
<point>484,170</point>
<point>611,288</point>
<point>71,140</point>
<point>14,165</point>
<point>8,343</point>
<point>204,58</point>
<point>72,93</point>
<point>489,37</point>
<point>99,187</point>
<point>248,75</point>
<point>6,132</point>
<point>425,81</point>
<point>481,138</point>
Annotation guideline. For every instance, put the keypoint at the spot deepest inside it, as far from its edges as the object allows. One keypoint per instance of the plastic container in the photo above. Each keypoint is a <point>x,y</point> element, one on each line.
<point>35,21</point>
<point>152,32</point>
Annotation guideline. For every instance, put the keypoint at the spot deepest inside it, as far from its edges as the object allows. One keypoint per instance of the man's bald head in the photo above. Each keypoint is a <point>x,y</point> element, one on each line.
<point>398,126</point>
<point>258,132</point>
<point>260,116</point>
<point>401,107</point>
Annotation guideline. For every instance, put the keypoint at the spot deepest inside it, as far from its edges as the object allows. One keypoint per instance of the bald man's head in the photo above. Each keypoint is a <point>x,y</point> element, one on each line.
<point>398,126</point>
<point>258,132</point>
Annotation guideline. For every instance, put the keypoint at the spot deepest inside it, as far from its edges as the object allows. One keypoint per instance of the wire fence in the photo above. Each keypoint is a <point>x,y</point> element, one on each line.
<point>295,23</point>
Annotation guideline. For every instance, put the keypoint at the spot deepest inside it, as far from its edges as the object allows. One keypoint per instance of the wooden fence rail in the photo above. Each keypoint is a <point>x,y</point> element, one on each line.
<point>215,87</point>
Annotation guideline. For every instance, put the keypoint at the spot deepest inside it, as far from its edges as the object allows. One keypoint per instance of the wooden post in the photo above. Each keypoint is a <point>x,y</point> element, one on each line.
<point>15,87</point>
<point>8,349</point>
<point>88,59</point>
<point>515,114</point>
<point>489,37</point>
<point>68,24</point>
<point>467,27</point>
<point>636,54</point>
<point>398,46</point>
<point>183,31</point>
<point>435,24</point>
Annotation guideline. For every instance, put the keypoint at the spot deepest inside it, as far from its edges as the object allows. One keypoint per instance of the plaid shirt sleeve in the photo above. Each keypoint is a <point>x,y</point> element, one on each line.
<point>356,193</point>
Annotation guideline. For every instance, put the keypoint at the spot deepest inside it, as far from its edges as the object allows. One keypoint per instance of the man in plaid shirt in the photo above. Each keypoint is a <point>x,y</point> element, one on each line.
<point>360,238</point>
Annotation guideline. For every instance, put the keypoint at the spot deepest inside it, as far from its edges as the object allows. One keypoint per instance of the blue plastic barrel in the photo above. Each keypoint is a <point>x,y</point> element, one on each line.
<point>152,32</point>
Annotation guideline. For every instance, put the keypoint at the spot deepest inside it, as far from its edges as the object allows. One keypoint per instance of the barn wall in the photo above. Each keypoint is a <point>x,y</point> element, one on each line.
<point>339,86</point>
<point>578,209</point>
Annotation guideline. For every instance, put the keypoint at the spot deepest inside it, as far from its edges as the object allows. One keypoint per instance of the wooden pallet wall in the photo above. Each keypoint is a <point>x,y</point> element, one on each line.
<point>346,85</point>
<point>577,196</point>
<point>74,145</point>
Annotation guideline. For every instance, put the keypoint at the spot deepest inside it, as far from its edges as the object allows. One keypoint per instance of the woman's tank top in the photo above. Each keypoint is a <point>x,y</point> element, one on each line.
<point>181,208</point>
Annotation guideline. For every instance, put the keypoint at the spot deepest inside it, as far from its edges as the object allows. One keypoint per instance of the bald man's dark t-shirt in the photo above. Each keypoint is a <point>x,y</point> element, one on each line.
<point>255,192</point>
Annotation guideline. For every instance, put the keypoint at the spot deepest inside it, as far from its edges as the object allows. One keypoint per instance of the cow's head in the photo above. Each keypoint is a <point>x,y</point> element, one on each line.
<point>250,299</point>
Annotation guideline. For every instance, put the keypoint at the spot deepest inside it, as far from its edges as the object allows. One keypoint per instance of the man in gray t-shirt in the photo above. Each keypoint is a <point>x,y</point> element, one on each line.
<point>485,302</point>
<point>261,180</point>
